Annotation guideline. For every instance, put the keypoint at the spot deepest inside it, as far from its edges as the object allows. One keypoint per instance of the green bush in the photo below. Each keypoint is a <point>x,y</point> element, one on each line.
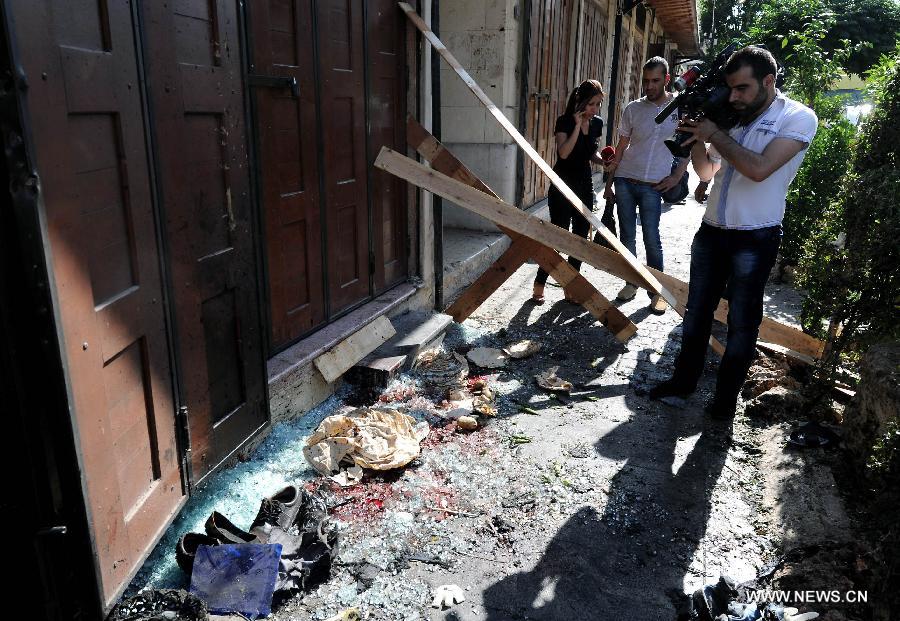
<point>851,262</point>
<point>818,181</point>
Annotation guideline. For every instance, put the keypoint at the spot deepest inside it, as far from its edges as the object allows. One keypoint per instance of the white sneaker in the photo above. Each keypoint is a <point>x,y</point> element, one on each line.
<point>658,305</point>
<point>627,293</point>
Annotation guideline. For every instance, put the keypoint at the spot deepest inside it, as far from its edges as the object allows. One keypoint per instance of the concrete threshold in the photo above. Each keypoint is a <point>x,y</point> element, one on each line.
<point>469,253</point>
<point>306,350</point>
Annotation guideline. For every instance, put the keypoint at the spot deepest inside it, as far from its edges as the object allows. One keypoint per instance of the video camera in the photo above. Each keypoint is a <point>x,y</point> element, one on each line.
<point>702,94</point>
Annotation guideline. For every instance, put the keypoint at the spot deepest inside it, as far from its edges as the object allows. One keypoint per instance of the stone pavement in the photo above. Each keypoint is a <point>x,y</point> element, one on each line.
<point>599,505</point>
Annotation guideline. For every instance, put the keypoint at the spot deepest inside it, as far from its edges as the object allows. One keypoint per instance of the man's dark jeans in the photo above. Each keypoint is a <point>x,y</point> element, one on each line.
<point>741,260</point>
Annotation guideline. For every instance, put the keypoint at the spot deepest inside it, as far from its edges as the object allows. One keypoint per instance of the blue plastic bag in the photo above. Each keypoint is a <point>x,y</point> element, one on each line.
<point>236,577</point>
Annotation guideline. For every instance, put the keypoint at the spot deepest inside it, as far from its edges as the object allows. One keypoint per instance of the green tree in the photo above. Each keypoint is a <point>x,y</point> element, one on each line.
<point>723,22</point>
<point>811,68</point>
<point>850,262</point>
<point>874,23</point>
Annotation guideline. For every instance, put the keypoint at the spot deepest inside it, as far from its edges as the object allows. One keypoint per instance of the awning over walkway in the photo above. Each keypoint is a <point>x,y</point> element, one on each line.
<point>679,20</point>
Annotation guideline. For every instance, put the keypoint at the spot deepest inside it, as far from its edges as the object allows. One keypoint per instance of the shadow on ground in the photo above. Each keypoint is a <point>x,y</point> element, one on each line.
<point>629,559</point>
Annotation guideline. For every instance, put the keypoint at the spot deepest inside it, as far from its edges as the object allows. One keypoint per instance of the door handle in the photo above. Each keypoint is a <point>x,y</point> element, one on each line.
<point>274,81</point>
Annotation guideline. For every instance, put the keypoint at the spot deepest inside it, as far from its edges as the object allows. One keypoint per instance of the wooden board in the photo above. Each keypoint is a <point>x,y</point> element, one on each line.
<point>551,235</point>
<point>575,285</point>
<point>337,360</point>
<point>491,280</point>
<point>646,277</point>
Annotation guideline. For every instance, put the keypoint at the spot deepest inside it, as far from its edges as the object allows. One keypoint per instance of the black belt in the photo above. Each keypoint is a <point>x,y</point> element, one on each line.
<point>638,181</point>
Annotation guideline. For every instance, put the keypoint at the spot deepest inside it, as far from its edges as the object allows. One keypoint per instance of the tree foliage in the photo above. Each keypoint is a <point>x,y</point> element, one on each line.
<point>850,263</point>
<point>875,23</point>
<point>818,180</point>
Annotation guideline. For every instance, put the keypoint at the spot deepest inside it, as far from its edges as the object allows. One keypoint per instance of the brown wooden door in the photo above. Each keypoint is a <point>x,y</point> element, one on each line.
<point>387,113</point>
<point>288,165</point>
<point>193,63</point>
<point>343,115</point>
<point>593,42</point>
<point>87,128</point>
<point>548,66</point>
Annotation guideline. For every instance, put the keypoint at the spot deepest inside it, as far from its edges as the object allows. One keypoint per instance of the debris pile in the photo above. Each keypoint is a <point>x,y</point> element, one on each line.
<point>378,439</point>
<point>771,390</point>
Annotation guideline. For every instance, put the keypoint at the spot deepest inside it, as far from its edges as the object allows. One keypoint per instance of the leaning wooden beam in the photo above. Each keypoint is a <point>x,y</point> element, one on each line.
<point>491,280</point>
<point>553,236</point>
<point>645,278</point>
<point>575,285</point>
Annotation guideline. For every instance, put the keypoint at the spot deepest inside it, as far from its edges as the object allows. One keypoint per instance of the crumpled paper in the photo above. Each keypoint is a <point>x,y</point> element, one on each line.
<point>364,438</point>
<point>488,357</point>
<point>548,380</point>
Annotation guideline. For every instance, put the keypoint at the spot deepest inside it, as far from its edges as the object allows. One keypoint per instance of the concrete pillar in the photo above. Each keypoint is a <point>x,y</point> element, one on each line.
<point>486,37</point>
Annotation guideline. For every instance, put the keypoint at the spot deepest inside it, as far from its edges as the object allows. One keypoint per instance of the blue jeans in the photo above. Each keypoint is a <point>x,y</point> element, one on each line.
<point>736,263</point>
<point>629,197</point>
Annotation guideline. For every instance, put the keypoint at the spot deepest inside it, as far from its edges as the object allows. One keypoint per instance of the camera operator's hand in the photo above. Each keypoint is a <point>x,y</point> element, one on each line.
<point>701,130</point>
<point>667,183</point>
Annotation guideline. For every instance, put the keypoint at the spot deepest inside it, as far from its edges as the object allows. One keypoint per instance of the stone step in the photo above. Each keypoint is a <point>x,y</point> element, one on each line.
<point>416,331</point>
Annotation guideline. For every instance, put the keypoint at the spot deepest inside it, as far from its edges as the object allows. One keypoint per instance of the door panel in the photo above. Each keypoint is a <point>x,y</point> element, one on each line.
<point>387,99</point>
<point>288,166</point>
<point>194,68</point>
<point>343,116</point>
<point>593,39</point>
<point>551,28</point>
<point>87,125</point>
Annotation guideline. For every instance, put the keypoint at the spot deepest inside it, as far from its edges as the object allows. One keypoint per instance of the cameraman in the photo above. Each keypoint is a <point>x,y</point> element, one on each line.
<point>753,163</point>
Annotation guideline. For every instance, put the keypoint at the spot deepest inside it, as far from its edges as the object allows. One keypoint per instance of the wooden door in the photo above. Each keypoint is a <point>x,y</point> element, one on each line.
<point>548,66</point>
<point>288,172</point>
<point>387,113</point>
<point>339,40</point>
<point>87,129</point>
<point>193,62</point>
<point>592,46</point>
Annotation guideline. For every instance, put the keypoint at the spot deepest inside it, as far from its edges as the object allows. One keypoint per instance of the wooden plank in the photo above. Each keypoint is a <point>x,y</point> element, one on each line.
<point>579,289</point>
<point>551,235</point>
<point>576,286</point>
<point>491,279</point>
<point>646,277</point>
<point>337,360</point>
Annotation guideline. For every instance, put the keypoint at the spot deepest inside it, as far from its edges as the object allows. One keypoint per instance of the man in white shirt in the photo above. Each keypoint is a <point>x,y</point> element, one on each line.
<point>642,170</point>
<point>753,163</point>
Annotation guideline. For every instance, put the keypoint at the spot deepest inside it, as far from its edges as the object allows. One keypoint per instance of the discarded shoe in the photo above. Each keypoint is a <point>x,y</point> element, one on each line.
<point>658,305</point>
<point>280,509</point>
<point>626,293</point>
<point>669,388</point>
<point>710,602</point>
<point>813,435</point>
<point>161,604</point>
<point>186,549</point>
<point>218,527</point>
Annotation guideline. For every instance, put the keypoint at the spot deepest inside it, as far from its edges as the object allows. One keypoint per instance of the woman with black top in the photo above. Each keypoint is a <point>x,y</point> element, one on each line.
<point>577,139</point>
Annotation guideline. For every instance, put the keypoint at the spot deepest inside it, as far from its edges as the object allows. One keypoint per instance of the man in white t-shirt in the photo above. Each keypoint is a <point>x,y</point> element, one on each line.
<point>642,170</point>
<point>735,248</point>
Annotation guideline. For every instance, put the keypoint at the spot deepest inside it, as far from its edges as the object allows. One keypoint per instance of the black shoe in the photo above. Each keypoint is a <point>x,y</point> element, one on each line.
<point>218,527</point>
<point>670,388</point>
<point>720,411</point>
<point>280,510</point>
<point>186,549</point>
